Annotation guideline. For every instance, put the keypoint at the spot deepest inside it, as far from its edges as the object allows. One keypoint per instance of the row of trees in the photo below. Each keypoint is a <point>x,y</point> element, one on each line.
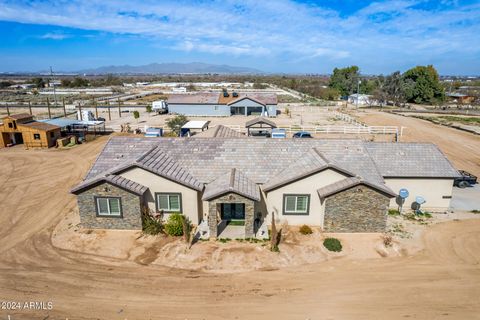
<point>420,84</point>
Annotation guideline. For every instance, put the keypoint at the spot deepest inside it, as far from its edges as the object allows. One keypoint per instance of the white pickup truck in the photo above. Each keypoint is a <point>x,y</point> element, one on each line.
<point>160,106</point>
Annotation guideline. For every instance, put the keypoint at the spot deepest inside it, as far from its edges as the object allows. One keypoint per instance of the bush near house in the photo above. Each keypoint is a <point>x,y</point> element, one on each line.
<point>332,244</point>
<point>174,225</point>
<point>305,230</point>
<point>393,212</point>
<point>151,226</point>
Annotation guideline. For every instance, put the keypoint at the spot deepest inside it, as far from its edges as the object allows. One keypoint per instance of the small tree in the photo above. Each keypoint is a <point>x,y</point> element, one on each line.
<point>274,239</point>
<point>148,108</point>
<point>136,115</point>
<point>176,123</point>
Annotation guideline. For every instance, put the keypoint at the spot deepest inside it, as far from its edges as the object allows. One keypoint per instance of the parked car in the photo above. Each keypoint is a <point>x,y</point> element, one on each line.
<point>302,134</point>
<point>466,180</point>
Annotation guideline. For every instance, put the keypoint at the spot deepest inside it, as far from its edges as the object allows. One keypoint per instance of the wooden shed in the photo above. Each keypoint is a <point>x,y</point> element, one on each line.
<point>22,129</point>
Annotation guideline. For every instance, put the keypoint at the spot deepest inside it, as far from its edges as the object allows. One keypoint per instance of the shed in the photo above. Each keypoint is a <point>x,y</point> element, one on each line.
<point>22,129</point>
<point>194,125</point>
<point>259,125</point>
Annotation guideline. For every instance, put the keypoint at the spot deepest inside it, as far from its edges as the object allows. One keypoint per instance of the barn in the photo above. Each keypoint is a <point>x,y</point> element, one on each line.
<point>22,129</point>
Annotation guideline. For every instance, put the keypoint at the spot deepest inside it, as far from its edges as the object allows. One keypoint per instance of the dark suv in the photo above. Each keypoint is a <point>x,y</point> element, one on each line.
<point>302,134</point>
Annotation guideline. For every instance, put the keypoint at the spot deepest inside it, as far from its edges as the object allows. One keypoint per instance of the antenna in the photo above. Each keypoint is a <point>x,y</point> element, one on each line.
<point>53,81</point>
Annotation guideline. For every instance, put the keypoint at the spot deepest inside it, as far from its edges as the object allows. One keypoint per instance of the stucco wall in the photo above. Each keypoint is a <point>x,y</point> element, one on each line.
<point>131,209</point>
<point>191,203</point>
<point>200,109</point>
<point>358,209</point>
<point>432,190</point>
<point>308,185</point>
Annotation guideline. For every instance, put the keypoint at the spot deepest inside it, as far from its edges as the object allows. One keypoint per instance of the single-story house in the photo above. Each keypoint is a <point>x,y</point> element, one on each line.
<point>338,185</point>
<point>22,129</point>
<point>223,104</point>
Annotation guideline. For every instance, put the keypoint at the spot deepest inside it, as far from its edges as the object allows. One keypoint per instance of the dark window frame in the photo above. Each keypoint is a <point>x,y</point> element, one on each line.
<point>285,195</point>
<point>97,211</point>
<point>169,193</point>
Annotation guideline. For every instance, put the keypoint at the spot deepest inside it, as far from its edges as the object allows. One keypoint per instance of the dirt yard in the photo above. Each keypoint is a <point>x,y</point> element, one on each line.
<point>440,281</point>
<point>462,148</point>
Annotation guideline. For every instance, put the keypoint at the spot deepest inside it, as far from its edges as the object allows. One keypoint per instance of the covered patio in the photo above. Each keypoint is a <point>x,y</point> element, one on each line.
<point>260,126</point>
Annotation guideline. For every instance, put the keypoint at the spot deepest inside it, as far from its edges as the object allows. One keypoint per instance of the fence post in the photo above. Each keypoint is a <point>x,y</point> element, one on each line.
<point>109,115</point>
<point>8,110</point>
<point>64,110</point>
<point>80,111</point>
<point>119,111</point>
<point>96,109</point>
<point>29,107</point>
<point>48,107</point>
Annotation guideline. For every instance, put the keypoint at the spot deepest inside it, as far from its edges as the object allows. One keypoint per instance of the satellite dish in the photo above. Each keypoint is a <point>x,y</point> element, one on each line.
<point>420,200</point>
<point>403,193</point>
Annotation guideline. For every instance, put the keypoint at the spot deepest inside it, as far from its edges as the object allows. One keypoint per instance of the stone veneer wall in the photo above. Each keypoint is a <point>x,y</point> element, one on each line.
<point>231,198</point>
<point>358,209</point>
<point>131,209</point>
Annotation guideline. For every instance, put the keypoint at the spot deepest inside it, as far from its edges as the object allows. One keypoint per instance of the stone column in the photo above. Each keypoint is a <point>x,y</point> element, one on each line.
<point>212,219</point>
<point>249,219</point>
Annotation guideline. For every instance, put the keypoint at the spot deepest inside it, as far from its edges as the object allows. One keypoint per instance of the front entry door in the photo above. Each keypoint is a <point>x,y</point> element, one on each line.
<point>233,211</point>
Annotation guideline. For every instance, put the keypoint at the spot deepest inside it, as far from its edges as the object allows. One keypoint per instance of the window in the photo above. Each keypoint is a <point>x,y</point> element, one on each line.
<point>10,125</point>
<point>296,204</point>
<point>36,136</point>
<point>109,207</point>
<point>52,134</point>
<point>169,202</point>
<point>216,108</point>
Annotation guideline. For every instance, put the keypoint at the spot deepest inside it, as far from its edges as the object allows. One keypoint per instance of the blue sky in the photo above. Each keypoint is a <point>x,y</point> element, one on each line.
<point>273,36</point>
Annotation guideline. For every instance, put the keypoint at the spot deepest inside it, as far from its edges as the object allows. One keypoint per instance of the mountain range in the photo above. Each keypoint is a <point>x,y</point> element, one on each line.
<point>169,68</point>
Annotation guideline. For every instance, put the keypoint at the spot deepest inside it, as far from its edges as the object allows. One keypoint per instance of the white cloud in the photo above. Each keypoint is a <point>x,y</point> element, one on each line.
<point>391,28</point>
<point>55,36</point>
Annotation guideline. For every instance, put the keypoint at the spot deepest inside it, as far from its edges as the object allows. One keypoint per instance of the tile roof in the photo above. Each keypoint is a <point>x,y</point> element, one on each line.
<point>410,160</point>
<point>195,98</point>
<point>218,98</point>
<point>219,131</point>
<point>263,161</point>
<point>260,120</point>
<point>233,181</point>
<point>158,162</point>
<point>348,183</point>
<point>115,180</point>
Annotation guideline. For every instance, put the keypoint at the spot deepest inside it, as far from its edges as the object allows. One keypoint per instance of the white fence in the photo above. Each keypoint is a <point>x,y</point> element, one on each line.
<point>356,129</point>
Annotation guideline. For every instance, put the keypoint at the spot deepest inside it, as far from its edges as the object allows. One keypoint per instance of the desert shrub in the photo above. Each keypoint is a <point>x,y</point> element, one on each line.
<point>387,240</point>
<point>305,230</point>
<point>148,108</point>
<point>174,225</point>
<point>475,211</point>
<point>393,212</point>
<point>332,244</point>
<point>150,225</point>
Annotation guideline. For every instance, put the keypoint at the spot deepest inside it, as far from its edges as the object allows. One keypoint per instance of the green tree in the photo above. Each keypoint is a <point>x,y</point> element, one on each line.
<point>136,115</point>
<point>38,82</point>
<point>329,93</point>
<point>148,108</point>
<point>395,86</point>
<point>345,80</point>
<point>176,123</point>
<point>422,85</point>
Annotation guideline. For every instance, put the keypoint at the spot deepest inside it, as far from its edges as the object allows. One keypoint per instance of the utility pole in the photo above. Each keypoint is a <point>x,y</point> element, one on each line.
<point>30,107</point>
<point>54,91</point>
<point>109,114</point>
<point>119,110</point>
<point>64,110</point>
<point>358,92</point>
<point>48,107</point>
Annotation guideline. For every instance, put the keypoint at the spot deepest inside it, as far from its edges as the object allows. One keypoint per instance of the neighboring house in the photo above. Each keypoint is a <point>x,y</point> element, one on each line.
<point>223,104</point>
<point>362,99</point>
<point>338,185</point>
<point>22,129</point>
<point>461,98</point>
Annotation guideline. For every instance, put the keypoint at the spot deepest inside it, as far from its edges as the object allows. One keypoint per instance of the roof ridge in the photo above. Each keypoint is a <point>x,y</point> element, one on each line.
<point>145,154</point>
<point>321,155</point>
<point>232,178</point>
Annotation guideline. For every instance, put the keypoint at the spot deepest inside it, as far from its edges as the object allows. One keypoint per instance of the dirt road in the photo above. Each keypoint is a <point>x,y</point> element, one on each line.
<point>441,282</point>
<point>462,148</point>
